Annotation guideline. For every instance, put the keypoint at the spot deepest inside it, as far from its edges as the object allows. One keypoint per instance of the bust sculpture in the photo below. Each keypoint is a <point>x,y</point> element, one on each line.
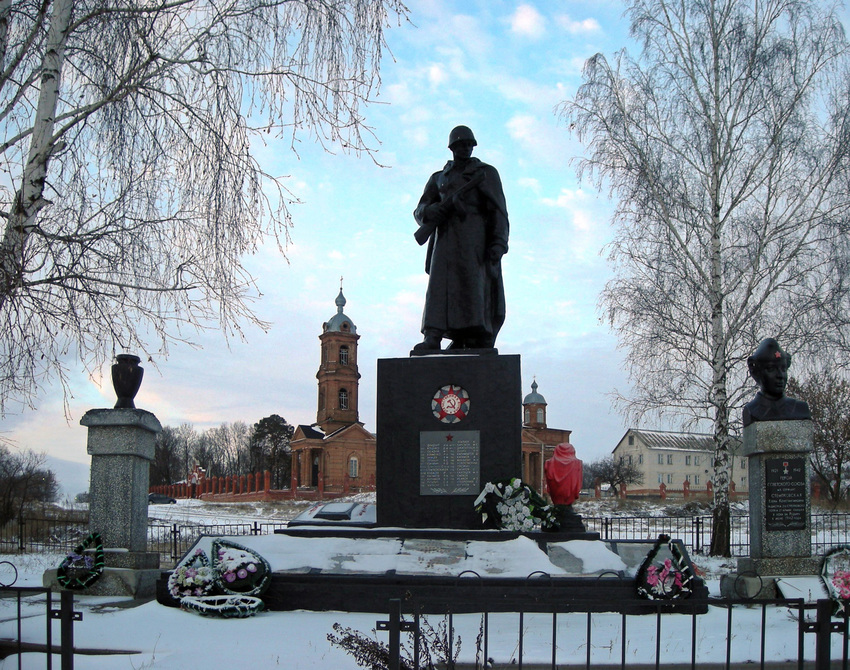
<point>464,220</point>
<point>769,367</point>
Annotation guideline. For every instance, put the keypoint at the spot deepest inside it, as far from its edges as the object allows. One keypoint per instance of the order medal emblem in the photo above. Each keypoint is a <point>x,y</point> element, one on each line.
<point>450,404</point>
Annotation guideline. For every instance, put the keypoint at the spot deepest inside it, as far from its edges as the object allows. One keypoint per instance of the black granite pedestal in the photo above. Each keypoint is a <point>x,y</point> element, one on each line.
<point>447,425</point>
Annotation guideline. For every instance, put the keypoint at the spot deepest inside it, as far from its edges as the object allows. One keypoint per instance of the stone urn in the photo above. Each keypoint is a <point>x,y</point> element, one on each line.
<point>126,379</point>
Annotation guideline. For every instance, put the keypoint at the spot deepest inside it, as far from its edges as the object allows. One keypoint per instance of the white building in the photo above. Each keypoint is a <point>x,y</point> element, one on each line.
<point>672,458</point>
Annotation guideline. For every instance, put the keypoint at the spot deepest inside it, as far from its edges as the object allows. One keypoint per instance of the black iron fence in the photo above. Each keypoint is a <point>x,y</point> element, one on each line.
<point>172,541</point>
<point>39,534</point>
<point>548,639</point>
<point>36,597</point>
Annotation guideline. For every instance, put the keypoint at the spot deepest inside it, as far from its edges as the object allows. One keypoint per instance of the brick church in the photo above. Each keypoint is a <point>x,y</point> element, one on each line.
<point>336,455</point>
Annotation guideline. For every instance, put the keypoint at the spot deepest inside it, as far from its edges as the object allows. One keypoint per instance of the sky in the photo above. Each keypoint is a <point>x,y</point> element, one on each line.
<point>500,67</point>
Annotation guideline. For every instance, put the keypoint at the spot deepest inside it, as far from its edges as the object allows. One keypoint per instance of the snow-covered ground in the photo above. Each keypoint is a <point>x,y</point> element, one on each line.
<point>167,638</point>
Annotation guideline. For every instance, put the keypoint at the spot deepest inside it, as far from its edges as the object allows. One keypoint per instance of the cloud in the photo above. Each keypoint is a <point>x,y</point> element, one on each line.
<point>540,139</point>
<point>574,27</point>
<point>530,183</point>
<point>437,74</point>
<point>527,21</point>
<point>566,199</point>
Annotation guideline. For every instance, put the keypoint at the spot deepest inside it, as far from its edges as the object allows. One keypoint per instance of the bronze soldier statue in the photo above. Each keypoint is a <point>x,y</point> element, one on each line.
<point>463,217</point>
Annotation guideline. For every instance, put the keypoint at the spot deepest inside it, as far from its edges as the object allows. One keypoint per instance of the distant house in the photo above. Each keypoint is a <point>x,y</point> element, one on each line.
<point>671,458</point>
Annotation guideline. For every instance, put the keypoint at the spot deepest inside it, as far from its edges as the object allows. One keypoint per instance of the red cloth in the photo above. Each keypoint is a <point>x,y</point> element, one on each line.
<point>563,475</point>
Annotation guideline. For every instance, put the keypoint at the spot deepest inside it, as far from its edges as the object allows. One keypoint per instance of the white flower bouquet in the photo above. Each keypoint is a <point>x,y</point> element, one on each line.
<point>511,504</point>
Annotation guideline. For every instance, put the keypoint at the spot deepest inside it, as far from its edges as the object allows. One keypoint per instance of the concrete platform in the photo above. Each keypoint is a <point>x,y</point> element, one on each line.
<point>462,571</point>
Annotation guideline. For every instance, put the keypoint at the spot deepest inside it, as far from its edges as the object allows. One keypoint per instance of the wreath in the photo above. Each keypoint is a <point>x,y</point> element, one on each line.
<point>835,572</point>
<point>239,570</point>
<point>511,504</point>
<point>664,580</point>
<point>227,607</point>
<point>82,568</point>
<point>194,577</point>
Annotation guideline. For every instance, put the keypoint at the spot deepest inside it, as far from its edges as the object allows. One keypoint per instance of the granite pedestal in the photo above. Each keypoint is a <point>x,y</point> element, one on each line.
<point>780,507</point>
<point>121,443</point>
<point>434,457</point>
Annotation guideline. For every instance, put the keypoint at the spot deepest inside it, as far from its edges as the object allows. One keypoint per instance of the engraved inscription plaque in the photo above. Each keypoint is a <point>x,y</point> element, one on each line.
<point>449,462</point>
<point>785,497</point>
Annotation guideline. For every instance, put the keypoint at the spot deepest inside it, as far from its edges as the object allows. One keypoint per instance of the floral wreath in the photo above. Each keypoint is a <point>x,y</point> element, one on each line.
<point>195,577</point>
<point>835,572</point>
<point>239,571</point>
<point>511,504</point>
<point>80,569</point>
<point>228,607</point>
<point>664,580</point>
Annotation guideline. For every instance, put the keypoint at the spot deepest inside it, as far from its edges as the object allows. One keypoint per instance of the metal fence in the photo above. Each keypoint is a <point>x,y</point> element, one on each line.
<point>29,596</point>
<point>172,541</point>
<point>38,534</point>
<point>414,642</point>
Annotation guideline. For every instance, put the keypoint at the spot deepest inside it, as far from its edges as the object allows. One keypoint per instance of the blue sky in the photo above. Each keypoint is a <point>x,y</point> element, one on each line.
<point>499,67</point>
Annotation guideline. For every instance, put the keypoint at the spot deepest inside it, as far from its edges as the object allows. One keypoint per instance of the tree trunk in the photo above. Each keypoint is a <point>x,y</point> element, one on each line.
<point>29,199</point>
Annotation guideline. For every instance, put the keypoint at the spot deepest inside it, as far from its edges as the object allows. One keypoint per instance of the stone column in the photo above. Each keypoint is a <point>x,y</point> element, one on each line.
<point>121,444</point>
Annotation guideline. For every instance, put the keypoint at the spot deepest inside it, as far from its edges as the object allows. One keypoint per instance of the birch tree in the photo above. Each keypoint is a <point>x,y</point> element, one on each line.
<point>129,190</point>
<point>725,143</point>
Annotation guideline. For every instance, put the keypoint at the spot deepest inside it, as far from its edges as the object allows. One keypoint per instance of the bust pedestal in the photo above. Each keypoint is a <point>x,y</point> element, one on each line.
<point>780,506</point>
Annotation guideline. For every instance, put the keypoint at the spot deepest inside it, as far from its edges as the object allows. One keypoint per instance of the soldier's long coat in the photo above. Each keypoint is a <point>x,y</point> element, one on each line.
<point>465,290</point>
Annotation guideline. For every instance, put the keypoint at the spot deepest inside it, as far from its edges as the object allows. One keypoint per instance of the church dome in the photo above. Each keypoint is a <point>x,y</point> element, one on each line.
<point>340,323</point>
<point>534,398</point>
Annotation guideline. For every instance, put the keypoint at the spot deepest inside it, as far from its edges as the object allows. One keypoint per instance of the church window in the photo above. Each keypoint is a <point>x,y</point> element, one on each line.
<point>343,355</point>
<point>528,416</point>
<point>343,399</point>
<point>353,467</point>
<point>539,415</point>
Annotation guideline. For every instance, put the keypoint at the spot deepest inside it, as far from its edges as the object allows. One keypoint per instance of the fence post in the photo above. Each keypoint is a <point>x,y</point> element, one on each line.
<point>66,627</point>
<point>175,533</point>
<point>393,627</point>
<point>697,532</point>
<point>21,530</point>
<point>823,630</point>
<point>67,616</point>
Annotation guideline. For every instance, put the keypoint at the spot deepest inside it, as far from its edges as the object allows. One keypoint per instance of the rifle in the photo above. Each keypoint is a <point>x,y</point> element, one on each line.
<point>426,231</point>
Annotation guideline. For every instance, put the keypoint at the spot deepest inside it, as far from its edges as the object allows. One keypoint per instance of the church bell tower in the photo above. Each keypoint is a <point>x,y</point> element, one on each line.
<point>338,376</point>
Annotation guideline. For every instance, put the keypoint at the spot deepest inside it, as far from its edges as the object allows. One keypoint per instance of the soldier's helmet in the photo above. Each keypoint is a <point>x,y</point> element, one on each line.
<point>460,133</point>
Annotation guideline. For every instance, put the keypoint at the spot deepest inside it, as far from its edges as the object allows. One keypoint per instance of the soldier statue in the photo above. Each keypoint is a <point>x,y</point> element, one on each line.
<point>463,218</point>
